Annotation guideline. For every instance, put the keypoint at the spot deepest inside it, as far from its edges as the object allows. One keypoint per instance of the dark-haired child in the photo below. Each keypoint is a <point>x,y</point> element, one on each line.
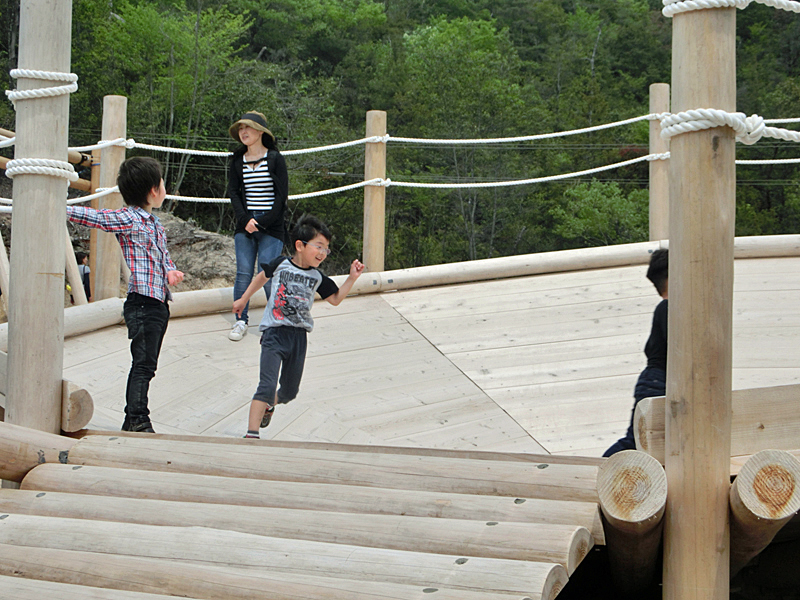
<point>287,317</point>
<point>144,246</point>
<point>652,381</point>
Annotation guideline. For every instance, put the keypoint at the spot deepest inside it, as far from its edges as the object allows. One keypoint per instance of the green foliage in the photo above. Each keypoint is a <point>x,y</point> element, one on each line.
<point>440,68</point>
<point>601,214</point>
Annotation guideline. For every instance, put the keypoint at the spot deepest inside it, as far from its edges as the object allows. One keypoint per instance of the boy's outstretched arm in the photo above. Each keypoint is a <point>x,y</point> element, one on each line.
<point>356,268</point>
<point>258,282</point>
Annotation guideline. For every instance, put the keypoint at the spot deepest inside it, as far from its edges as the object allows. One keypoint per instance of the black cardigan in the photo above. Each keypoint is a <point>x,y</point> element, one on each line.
<point>271,223</point>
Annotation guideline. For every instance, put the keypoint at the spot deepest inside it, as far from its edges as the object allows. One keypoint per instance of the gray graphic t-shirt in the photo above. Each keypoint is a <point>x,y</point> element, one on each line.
<point>291,294</point>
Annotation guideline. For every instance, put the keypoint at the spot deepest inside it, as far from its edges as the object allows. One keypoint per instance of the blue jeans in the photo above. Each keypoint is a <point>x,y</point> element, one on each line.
<point>147,320</point>
<point>250,246</point>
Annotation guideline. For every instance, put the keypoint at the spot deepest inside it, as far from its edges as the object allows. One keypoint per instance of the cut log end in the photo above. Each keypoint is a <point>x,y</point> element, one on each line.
<point>632,488</point>
<point>77,407</point>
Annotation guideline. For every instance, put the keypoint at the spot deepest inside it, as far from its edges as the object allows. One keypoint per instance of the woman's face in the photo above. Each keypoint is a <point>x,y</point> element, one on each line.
<point>248,135</point>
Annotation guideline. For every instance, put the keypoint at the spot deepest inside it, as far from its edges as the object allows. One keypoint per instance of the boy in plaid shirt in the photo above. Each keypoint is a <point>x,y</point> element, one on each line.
<point>144,246</point>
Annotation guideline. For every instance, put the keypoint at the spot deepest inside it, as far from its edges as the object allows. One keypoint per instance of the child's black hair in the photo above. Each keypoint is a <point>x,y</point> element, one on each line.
<point>307,228</point>
<point>137,177</point>
<point>79,256</point>
<point>658,271</point>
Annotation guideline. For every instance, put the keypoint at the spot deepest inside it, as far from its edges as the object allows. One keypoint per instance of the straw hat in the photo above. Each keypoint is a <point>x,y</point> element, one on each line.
<point>252,119</point>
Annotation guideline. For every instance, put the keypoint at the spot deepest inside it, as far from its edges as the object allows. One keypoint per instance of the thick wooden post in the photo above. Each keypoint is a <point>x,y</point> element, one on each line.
<point>108,253</point>
<point>374,195</point>
<point>36,294</point>
<point>698,408</point>
<point>659,169</point>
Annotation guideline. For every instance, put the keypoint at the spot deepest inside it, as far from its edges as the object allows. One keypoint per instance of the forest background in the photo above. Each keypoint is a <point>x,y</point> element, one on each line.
<point>440,69</point>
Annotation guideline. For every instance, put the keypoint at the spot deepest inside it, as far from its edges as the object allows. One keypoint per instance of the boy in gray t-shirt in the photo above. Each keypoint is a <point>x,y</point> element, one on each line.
<point>287,317</point>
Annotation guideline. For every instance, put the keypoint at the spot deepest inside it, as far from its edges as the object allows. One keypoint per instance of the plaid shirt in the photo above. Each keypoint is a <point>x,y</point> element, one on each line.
<point>144,245</point>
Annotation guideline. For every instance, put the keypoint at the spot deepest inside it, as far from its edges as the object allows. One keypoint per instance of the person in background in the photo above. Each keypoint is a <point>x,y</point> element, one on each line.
<point>83,268</point>
<point>652,381</point>
<point>258,187</point>
<point>144,246</point>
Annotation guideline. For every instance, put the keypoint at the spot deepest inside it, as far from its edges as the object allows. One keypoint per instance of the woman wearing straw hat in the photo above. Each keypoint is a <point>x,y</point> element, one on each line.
<point>258,186</point>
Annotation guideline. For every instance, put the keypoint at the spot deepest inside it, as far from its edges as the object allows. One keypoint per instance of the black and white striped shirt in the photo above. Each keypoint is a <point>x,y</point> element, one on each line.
<point>258,187</point>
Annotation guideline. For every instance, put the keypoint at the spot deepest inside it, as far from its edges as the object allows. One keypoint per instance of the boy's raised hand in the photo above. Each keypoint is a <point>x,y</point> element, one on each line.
<point>356,268</point>
<point>174,277</point>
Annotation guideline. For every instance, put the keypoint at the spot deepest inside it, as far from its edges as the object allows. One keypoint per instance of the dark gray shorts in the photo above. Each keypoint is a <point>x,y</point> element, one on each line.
<point>283,350</point>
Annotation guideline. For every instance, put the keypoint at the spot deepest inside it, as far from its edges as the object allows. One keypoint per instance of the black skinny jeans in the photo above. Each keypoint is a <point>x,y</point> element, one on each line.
<point>147,320</point>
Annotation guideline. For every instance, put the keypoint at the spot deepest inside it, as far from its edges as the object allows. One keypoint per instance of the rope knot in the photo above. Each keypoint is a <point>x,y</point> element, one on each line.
<point>754,128</point>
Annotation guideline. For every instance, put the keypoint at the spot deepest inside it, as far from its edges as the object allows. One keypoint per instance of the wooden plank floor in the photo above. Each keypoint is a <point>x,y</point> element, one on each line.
<point>543,363</point>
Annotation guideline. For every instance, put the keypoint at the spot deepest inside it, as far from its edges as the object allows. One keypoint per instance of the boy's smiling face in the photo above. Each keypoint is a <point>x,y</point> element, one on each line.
<point>313,252</point>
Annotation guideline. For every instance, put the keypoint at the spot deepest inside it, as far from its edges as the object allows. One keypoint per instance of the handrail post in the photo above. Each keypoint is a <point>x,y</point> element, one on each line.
<point>659,169</point>
<point>107,257</point>
<point>699,356</point>
<point>36,286</point>
<point>375,195</point>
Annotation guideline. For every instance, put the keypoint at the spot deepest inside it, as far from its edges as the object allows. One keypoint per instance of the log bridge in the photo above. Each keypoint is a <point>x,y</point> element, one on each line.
<point>125,516</point>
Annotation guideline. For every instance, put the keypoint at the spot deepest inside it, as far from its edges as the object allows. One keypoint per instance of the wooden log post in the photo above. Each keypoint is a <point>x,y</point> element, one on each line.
<point>632,488</point>
<point>659,169</point>
<point>36,286</point>
<point>763,498</point>
<point>107,254</point>
<point>375,195</point>
<point>20,588</point>
<point>699,364</point>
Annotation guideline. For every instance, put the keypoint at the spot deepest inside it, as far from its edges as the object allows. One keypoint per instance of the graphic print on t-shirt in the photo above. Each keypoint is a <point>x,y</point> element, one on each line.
<point>293,297</point>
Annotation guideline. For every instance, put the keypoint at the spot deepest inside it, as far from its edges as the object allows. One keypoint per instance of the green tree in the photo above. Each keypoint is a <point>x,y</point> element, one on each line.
<point>601,214</point>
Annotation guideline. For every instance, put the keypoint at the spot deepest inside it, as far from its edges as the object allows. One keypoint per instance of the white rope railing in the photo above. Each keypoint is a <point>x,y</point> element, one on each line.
<point>528,138</point>
<point>674,7</point>
<point>47,92</point>
<point>748,129</point>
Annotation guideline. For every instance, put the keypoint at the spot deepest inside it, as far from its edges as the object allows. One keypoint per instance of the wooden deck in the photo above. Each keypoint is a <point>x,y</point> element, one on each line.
<point>540,364</point>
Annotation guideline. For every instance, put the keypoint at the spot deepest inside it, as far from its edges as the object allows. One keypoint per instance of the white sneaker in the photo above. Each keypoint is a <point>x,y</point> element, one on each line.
<point>238,331</point>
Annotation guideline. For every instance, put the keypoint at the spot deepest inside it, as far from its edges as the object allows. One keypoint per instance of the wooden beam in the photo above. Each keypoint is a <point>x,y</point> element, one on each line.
<point>73,273</point>
<point>699,362</point>
<point>20,588</point>
<point>330,497</point>
<point>566,545</point>
<point>762,418</point>
<point>36,286</point>
<point>73,156</point>
<point>79,184</point>
<point>632,488</point>
<point>77,405</point>
<point>210,548</point>
<point>210,582</point>
<point>21,449</point>
<point>536,459</point>
<point>763,498</point>
<point>464,476</point>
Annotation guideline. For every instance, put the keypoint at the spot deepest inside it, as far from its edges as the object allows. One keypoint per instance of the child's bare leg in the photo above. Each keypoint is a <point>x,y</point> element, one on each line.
<point>257,408</point>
